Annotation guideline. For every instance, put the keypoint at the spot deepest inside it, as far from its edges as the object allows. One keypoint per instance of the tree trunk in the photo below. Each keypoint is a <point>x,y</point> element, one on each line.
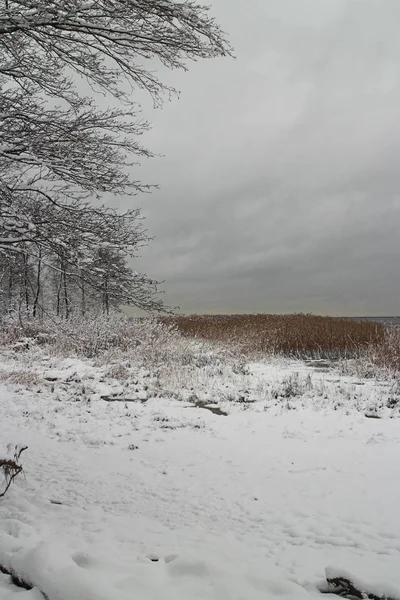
<point>106,298</point>
<point>26,283</point>
<point>10,289</point>
<point>83,296</point>
<point>66,297</point>
<point>38,284</point>
<point>58,307</point>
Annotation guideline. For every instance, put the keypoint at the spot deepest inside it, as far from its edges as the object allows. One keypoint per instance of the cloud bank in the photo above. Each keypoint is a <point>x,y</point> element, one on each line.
<point>279,188</point>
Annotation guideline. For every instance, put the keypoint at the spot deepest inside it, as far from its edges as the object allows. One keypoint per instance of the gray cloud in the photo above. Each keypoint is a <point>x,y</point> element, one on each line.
<point>280,181</point>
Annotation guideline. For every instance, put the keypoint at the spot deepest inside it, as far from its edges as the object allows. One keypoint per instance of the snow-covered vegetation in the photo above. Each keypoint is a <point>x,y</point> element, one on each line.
<point>147,446</point>
<point>61,249</point>
<point>236,458</point>
<point>149,357</point>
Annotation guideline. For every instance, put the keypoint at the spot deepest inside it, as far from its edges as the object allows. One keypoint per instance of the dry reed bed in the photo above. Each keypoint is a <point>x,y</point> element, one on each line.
<point>372,349</point>
<point>298,335</point>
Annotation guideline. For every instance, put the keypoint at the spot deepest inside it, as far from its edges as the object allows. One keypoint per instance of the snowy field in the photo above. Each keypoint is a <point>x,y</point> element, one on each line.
<point>132,492</point>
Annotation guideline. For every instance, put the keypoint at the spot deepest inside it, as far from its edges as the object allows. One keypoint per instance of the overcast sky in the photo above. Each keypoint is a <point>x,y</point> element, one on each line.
<point>280,185</point>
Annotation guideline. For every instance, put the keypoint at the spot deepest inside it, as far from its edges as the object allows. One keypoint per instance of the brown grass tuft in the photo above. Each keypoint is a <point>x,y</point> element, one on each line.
<point>22,377</point>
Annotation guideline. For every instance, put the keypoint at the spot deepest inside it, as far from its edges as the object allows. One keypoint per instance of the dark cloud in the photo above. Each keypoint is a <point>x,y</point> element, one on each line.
<point>279,189</point>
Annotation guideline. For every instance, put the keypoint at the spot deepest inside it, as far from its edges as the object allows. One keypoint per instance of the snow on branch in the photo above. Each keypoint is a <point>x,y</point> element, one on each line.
<point>60,152</point>
<point>105,40</point>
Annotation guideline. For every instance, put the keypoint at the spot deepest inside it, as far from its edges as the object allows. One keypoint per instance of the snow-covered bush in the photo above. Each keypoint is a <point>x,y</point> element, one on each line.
<point>120,347</point>
<point>292,386</point>
<point>87,336</point>
<point>20,331</point>
<point>94,335</point>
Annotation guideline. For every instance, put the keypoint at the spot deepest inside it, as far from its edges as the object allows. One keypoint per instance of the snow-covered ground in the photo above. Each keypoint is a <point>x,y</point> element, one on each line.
<point>253,504</point>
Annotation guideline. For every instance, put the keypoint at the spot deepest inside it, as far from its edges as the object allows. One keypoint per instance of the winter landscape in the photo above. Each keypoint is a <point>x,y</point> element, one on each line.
<point>210,437</point>
<point>178,467</point>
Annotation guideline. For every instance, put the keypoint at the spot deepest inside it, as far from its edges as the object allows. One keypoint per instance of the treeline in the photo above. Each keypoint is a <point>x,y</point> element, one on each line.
<point>77,261</point>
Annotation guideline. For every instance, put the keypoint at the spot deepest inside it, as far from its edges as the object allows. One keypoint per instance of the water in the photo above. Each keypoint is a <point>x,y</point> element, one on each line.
<point>394,321</point>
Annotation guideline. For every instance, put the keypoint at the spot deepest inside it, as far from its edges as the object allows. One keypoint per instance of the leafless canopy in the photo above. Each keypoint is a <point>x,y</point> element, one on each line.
<point>103,40</point>
<point>58,150</point>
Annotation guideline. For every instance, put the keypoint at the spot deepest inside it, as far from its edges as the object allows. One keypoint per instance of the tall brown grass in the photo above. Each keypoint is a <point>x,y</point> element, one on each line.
<point>153,341</point>
<point>298,335</point>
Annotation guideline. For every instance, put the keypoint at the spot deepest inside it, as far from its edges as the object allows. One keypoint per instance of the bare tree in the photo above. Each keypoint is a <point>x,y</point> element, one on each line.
<point>104,41</point>
<point>58,150</point>
<point>46,46</point>
<point>87,249</point>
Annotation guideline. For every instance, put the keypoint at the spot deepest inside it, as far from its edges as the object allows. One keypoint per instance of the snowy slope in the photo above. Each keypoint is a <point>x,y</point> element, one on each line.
<point>256,504</point>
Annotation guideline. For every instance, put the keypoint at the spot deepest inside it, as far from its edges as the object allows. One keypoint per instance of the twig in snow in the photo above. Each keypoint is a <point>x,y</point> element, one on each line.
<point>10,466</point>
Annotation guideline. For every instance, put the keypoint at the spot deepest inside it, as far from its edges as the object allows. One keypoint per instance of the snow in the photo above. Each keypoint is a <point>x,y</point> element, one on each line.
<point>365,586</point>
<point>158,498</point>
